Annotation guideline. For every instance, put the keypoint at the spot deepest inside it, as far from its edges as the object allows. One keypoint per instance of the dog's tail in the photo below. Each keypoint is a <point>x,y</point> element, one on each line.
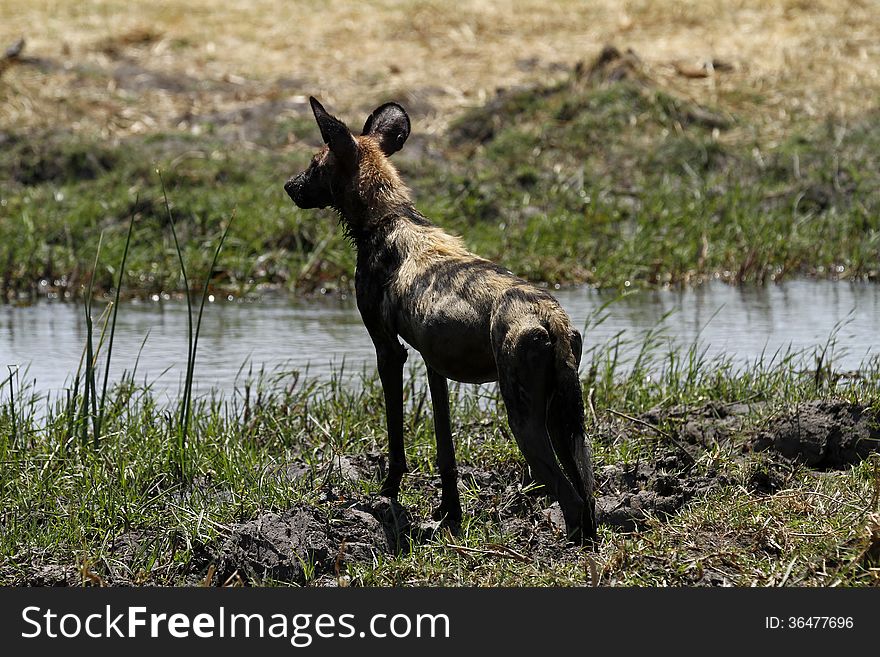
<point>565,417</point>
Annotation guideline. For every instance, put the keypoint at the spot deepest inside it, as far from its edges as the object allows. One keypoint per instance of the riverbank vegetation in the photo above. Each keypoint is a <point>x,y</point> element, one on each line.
<point>609,183</point>
<point>617,168</point>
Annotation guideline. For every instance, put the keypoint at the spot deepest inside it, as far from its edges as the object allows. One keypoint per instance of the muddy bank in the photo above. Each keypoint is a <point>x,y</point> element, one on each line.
<point>301,544</point>
<point>822,434</point>
<point>311,545</point>
<point>316,543</point>
<point>711,424</point>
<point>306,544</point>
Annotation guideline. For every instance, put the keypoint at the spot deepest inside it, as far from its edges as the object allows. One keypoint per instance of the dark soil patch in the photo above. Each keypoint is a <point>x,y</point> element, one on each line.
<point>712,424</point>
<point>300,544</point>
<point>766,476</point>
<point>628,494</point>
<point>307,545</point>
<point>823,434</point>
<point>625,496</point>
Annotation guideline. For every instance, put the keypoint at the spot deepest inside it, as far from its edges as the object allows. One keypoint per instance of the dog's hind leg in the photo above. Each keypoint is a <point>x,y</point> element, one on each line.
<point>526,368</point>
<point>449,511</point>
<point>565,422</point>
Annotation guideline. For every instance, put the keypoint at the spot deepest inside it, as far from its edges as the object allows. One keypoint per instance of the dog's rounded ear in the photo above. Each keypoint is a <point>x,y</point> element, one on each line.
<point>389,125</point>
<point>334,133</point>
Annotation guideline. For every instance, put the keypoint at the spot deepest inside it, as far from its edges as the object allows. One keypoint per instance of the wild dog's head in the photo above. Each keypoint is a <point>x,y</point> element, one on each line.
<point>354,174</point>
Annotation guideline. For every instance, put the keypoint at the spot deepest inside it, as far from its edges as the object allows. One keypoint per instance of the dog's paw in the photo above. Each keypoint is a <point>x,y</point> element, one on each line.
<point>449,517</point>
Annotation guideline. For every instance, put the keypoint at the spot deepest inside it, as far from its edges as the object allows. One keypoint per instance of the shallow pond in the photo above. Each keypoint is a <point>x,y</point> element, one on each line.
<point>45,340</point>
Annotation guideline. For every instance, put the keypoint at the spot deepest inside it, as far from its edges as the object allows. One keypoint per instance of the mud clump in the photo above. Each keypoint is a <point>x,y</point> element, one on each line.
<point>823,434</point>
<point>766,478</point>
<point>611,66</point>
<point>711,424</point>
<point>275,546</point>
<point>297,545</point>
<point>628,494</point>
<point>581,94</point>
<point>482,124</point>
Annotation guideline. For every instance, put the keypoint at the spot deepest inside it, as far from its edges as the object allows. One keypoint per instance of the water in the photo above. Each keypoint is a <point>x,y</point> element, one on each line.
<point>46,340</point>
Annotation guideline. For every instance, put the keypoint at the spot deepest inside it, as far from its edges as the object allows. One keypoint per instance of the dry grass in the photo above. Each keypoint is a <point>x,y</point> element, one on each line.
<point>789,59</point>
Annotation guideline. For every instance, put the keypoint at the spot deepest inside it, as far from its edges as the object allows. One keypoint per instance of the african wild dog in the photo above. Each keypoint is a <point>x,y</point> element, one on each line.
<point>471,320</point>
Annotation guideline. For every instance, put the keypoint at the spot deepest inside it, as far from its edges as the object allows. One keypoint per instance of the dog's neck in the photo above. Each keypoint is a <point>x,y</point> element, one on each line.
<point>377,201</point>
<point>363,225</point>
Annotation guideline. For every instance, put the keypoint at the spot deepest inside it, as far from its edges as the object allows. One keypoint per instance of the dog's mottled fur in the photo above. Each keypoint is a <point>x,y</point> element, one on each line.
<point>470,319</point>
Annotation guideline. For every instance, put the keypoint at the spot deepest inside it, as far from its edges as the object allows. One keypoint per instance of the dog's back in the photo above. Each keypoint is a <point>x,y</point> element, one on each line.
<point>448,303</point>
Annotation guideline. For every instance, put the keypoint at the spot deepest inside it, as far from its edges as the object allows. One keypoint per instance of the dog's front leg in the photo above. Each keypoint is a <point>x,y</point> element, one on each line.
<point>449,511</point>
<point>390,361</point>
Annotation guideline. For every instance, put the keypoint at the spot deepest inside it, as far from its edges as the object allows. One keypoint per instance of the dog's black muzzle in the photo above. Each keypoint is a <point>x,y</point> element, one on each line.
<point>293,187</point>
<point>301,190</point>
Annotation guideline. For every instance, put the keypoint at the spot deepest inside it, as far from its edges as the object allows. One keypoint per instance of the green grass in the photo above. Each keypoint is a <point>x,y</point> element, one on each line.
<point>50,229</point>
<point>614,184</point>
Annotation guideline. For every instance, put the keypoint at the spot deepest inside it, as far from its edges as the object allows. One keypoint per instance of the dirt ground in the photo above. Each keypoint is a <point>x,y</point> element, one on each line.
<point>315,544</point>
<point>114,68</point>
<point>282,546</point>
